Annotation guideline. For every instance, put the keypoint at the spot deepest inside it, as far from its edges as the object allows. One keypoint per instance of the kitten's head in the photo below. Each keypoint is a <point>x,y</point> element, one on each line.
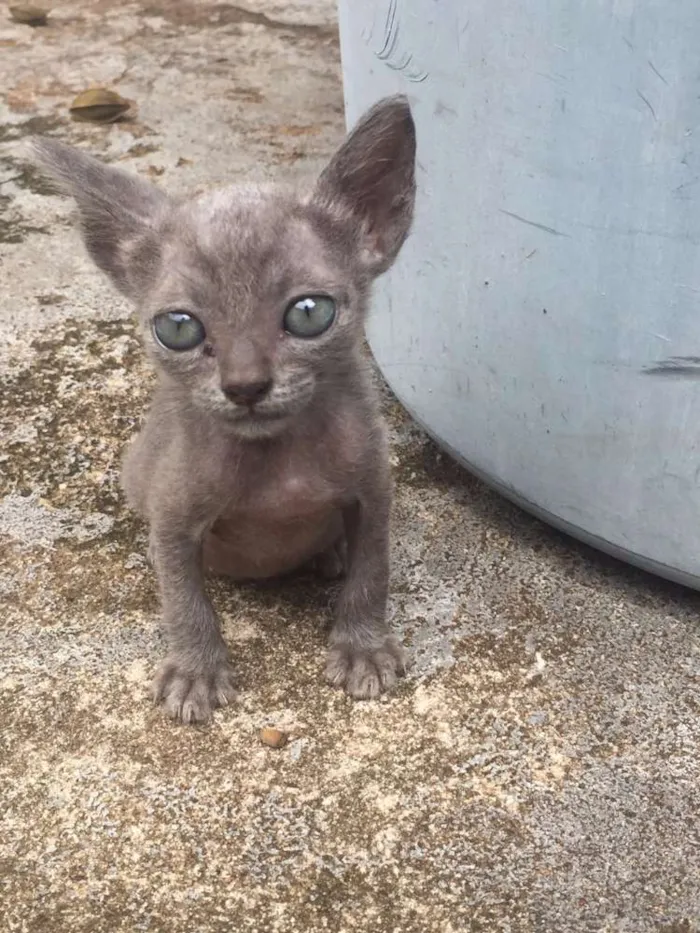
<point>252,299</point>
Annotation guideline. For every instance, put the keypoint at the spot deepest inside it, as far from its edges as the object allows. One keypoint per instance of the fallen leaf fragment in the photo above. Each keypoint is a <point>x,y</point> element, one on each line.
<point>98,105</point>
<point>29,15</point>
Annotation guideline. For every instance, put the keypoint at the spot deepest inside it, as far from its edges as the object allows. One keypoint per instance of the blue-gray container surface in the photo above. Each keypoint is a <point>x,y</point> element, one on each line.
<point>543,320</point>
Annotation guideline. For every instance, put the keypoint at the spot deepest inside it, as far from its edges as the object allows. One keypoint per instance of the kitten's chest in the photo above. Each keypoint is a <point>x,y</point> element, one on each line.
<point>288,486</point>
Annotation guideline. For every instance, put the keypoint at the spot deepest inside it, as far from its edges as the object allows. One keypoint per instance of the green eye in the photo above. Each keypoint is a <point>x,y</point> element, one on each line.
<point>309,316</point>
<point>177,330</point>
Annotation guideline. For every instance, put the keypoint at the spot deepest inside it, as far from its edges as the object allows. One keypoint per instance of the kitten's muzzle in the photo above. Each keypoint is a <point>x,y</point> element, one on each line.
<point>247,393</point>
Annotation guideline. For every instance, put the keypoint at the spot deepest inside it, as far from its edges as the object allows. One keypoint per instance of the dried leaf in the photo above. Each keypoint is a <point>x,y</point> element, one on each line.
<point>98,105</point>
<point>29,15</point>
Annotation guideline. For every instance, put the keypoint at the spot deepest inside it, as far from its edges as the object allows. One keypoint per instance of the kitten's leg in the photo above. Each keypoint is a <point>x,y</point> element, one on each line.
<point>332,563</point>
<point>197,675</point>
<point>364,657</point>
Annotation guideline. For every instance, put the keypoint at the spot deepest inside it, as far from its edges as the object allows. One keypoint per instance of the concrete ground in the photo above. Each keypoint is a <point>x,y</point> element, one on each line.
<point>539,769</point>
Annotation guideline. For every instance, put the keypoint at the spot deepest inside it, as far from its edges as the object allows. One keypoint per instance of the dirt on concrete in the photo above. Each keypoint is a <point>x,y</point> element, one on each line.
<point>539,768</point>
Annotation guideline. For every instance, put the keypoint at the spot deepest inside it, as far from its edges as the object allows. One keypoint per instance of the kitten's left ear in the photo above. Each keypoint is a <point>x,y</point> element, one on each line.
<point>370,181</point>
<point>119,212</point>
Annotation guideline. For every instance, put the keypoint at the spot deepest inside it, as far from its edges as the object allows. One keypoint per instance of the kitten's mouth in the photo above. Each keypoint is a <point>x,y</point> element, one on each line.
<point>257,414</point>
<point>256,422</point>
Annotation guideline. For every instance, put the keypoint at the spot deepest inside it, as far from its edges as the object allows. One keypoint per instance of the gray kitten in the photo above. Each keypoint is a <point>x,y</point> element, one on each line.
<point>264,448</point>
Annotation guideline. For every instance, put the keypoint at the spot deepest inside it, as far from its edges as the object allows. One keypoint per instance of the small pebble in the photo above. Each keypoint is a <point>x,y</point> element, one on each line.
<point>273,737</point>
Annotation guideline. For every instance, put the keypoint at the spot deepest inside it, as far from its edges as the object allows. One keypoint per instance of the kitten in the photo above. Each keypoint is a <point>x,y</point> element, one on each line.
<point>264,448</point>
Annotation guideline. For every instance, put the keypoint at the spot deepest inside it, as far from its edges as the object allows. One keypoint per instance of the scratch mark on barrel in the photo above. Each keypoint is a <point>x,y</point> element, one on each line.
<point>686,367</point>
<point>390,46</point>
<point>533,223</point>
<point>656,71</point>
<point>647,102</point>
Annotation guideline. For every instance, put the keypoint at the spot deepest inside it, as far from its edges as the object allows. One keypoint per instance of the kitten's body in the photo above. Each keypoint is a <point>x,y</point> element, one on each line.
<point>278,502</point>
<point>263,448</point>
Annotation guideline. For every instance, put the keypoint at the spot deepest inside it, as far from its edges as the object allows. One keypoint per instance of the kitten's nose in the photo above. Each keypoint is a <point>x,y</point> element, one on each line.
<point>246,393</point>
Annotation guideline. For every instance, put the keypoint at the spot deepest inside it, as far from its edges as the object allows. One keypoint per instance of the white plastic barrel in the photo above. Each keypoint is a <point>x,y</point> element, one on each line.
<point>543,321</point>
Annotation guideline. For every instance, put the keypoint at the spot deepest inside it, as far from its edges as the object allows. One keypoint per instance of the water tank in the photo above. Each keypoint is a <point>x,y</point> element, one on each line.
<point>543,320</point>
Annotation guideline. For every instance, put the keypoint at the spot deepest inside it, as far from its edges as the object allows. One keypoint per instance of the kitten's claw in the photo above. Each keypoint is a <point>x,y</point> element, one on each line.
<point>365,673</point>
<point>191,696</point>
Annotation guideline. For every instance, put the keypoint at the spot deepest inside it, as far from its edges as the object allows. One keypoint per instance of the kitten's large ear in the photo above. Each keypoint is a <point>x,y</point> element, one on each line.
<point>118,212</point>
<point>371,180</point>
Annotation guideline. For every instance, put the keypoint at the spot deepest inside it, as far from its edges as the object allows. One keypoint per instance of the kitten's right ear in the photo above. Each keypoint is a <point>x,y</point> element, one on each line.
<point>118,211</point>
<point>371,181</point>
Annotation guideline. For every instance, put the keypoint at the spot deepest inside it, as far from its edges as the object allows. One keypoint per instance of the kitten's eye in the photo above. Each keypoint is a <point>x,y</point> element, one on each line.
<point>177,330</point>
<point>309,316</point>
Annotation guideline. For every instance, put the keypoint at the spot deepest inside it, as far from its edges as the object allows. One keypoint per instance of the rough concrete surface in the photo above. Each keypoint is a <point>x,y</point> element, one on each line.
<point>538,770</point>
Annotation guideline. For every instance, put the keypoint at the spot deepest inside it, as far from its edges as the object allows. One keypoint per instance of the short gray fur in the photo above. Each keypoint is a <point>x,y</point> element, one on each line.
<point>542,322</point>
<point>263,449</point>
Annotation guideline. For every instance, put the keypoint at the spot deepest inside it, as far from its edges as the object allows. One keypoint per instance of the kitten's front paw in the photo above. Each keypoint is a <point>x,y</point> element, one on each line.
<point>191,695</point>
<point>364,673</point>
